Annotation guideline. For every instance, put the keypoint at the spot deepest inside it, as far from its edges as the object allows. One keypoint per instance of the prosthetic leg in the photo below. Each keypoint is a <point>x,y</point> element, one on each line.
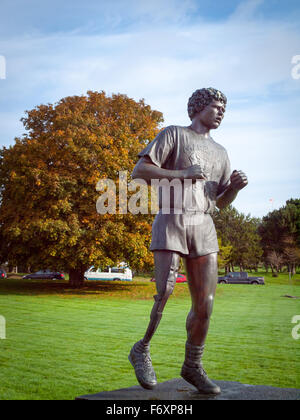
<point>166,267</point>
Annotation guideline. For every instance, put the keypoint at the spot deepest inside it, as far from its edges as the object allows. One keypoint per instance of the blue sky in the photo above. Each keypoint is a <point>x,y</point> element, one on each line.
<point>162,51</point>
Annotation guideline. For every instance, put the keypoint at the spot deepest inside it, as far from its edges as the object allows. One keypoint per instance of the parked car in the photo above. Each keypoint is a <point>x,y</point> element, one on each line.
<point>3,274</point>
<point>109,273</point>
<point>45,274</point>
<point>181,278</point>
<point>240,278</point>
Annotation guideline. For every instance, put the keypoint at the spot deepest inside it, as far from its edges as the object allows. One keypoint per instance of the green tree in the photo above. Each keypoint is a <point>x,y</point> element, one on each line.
<point>293,216</point>
<point>48,191</point>
<point>280,235</point>
<point>240,232</point>
<point>224,255</point>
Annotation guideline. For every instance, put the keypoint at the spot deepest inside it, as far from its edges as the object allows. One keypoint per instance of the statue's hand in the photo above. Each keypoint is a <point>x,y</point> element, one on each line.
<point>194,172</point>
<point>238,180</point>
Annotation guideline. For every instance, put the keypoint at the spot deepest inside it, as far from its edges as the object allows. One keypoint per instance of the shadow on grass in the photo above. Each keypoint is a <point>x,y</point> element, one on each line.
<point>13,286</point>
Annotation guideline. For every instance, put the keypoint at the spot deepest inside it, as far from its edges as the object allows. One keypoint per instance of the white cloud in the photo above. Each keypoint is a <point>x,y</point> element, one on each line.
<point>36,17</point>
<point>250,60</point>
<point>240,59</point>
<point>246,10</point>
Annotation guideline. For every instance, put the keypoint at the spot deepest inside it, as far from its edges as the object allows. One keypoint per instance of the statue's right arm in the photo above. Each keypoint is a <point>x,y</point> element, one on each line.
<point>145,169</point>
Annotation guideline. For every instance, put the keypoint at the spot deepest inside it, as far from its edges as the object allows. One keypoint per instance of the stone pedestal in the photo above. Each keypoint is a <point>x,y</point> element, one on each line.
<point>178,389</point>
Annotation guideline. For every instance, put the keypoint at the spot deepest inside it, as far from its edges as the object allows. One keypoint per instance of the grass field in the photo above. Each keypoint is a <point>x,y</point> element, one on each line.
<point>61,342</point>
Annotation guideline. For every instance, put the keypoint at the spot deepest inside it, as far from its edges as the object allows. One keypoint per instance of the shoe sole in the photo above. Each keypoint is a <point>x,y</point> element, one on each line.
<point>143,384</point>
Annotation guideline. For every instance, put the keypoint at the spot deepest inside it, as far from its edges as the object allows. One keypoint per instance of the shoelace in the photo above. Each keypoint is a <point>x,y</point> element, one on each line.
<point>147,360</point>
<point>202,371</point>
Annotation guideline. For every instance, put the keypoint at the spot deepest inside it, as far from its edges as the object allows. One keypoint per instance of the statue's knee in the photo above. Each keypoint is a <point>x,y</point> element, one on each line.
<point>210,305</point>
<point>168,290</point>
<point>205,308</point>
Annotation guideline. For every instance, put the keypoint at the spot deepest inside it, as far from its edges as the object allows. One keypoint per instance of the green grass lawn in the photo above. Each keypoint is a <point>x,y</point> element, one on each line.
<point>62,343</point>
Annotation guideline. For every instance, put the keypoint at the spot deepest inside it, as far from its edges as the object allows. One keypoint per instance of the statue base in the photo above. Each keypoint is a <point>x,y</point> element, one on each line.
<point>179,389</point>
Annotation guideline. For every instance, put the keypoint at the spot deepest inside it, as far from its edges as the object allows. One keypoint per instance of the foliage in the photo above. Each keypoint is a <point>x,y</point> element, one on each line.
<point>48,212</point>
<point>240,232</point>
<point>280,236</point>
<point>224,255</point>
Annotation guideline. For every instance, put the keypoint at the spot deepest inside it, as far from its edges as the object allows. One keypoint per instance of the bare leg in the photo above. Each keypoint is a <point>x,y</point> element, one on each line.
<point>202,277</point>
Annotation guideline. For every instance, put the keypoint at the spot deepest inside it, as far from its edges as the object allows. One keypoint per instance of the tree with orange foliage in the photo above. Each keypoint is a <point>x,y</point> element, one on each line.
<point>48,216</point>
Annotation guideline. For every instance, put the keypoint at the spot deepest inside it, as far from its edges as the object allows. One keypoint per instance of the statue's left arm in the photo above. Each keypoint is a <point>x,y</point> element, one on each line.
<point>238,181</point>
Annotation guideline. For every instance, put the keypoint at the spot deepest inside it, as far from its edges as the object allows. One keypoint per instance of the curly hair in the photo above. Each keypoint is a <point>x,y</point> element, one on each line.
<point>203,97</point>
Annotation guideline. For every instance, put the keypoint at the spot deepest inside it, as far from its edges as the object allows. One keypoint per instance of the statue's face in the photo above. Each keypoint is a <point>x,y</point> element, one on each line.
<point>212,115</point>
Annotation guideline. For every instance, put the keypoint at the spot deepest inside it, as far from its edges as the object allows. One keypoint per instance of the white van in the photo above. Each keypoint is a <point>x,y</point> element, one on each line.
<point>110,273</point>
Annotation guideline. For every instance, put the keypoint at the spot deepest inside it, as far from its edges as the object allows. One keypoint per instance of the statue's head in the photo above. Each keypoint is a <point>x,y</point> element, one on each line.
<point>203,97</point>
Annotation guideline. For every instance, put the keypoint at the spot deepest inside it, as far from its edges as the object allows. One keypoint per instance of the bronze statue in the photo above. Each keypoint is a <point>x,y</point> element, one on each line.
<point>188,153</point>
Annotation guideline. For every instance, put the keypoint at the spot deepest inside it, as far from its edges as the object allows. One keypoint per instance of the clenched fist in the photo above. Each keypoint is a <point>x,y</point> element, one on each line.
<point>238,180</point>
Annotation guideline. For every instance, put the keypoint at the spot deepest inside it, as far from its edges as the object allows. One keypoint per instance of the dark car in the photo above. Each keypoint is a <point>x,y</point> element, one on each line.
<point>181,278</point>
<point>2,274</point>
<point>45,274</point>
<point>240,278</point>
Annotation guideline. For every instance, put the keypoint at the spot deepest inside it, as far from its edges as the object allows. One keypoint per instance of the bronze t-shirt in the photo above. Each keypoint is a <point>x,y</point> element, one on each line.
<point>186,225</point>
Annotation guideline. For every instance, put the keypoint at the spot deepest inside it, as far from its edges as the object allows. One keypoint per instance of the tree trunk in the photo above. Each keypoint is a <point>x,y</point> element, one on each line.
<point>76,277</point>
